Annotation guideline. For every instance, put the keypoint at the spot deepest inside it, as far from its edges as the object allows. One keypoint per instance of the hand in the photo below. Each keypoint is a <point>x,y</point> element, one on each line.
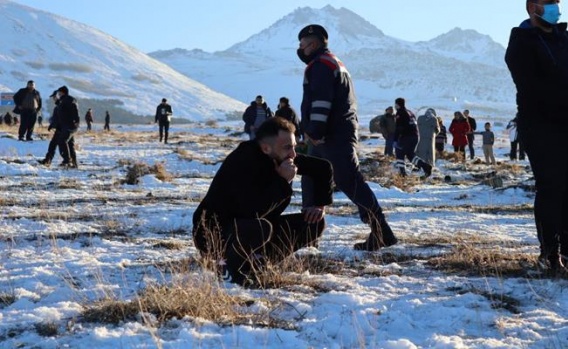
<point>395,145</point>
<point>313,214</point>
<point>315,142</point>
<point>286,169</point>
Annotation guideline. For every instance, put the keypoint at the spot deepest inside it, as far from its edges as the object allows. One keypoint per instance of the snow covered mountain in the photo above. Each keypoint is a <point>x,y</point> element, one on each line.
<point>457,70</point>
<point>53,51</point>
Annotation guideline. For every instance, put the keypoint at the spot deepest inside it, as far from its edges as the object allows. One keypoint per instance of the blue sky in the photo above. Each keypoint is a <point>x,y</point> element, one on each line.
<point>214,25</point>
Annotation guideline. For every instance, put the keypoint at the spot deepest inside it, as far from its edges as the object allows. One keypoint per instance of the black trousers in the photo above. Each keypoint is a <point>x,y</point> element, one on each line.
<point>513,154</point>
<point>549,163</point>
<point>470,138</point>
<point>248,244</point>
<point>164,127</point>
<point>27,124</point>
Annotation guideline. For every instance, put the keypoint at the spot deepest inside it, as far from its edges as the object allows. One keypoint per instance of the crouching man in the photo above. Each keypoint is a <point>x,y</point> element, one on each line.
<point>240,222</point>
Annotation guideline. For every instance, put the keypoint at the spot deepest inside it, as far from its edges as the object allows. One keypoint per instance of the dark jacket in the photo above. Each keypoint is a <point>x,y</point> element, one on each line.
<point>249,116</point>
<point>89,116</point>
<point>405,124</point>
<point>538,62</point>
<point>329,106</point>
<point>68,114</point>
<point>54,119</point>
<point>163,112</point>
<point>442,136</point>
<point>248,186</point>
<point>19,99</point>
<point>289,114</point>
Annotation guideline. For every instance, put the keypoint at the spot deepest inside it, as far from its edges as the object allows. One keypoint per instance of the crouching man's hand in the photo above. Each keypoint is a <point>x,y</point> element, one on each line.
<point>313,214</point>
<point>286,169</point>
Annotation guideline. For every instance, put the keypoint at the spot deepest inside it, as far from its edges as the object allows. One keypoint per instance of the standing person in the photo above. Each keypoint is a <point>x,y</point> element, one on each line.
<point>387,123</point>
<point>53,125</point>
<point>460,129</point>
<point>8,119</point>
<point>515,141</point>
<point>287,112</point>
<point>256,113</point>
<point>441,137</point>
<point>107,121</point>
<point>329,123</point>
<point>471,134</point>
<point>428,128</point>
<point>66,122</point>
<point>488,141</point>
<point>163,118</point>
<point>89,119</point>
<point>406,139</point>
<point>240,220</point>
<point>28,105</point>
<point>537,57</point>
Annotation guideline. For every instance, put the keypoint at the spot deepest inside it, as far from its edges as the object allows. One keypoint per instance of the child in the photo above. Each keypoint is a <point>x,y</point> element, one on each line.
<point>488,140</point>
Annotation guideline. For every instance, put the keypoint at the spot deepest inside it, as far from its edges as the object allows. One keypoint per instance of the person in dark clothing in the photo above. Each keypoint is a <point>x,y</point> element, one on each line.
<point>28,105</point>
<point>287,112</point>
<point>471,135</point>
<point>329,122</point>
<point>441,138</point>
<point>406,139</point>
<point>240,223</point>
<point>89,119</point>
<point>255,114</point>
<point>53,125</point>
<point>387,123</point>
<point>8,119</point>
<point>107,121</point>
<point>163,118</point>
<point>537,57</point>
<point>65,120</point>
<point>515,141</point>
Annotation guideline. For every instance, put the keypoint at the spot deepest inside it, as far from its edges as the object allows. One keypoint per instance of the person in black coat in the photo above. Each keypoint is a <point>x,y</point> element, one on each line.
<point>287,112</point>
<point>67,124</point>
<point>239,223</point>
<point>28,105</point>
<point>255,114</point>
<point>537,57</point>
<point>163,118</point>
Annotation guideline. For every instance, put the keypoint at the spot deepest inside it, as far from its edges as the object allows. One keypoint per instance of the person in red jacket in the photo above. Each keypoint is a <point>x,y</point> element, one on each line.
<point>459,128</point>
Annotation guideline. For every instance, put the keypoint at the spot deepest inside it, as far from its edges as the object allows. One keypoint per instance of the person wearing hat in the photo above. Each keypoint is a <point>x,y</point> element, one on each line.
<point>28,105</point>
<point>53,125</point>
<point>163,118</point>
<point>255,114</point>
<point>329,122</point>
<point>537,57</point>
<point>65,120</point>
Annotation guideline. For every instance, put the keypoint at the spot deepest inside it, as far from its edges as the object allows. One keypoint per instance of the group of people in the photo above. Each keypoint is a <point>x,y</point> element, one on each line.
<point>8,119</point>
<point>240,224</point>
<point>89,120</point>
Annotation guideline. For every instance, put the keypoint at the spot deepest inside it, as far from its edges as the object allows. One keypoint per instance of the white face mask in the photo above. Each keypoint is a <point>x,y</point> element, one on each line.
<point>58,95</point>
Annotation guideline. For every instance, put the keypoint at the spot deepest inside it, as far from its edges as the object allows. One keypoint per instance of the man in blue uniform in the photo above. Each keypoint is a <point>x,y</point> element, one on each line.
<point>329,122</point>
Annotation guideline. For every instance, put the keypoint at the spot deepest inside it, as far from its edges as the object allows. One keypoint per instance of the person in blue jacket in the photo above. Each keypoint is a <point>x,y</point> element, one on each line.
<point>329,122</point>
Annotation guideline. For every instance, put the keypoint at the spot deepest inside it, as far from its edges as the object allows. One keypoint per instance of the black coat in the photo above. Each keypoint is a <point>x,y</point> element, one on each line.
<point>247,186</point>
<point>538,62</point>
<point>163,112</point>
<point>289,114</point>
<point>68,114</point>
<point>249,116</point>
<point>406,124</point>
<point>20,95</point>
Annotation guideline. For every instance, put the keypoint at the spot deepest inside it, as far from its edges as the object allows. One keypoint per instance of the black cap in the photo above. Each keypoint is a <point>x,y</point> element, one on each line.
<point>313,29</point>
<point>164,100</point>
<point>63,89</point>
<point>31,82</point>
<point>53,94</point>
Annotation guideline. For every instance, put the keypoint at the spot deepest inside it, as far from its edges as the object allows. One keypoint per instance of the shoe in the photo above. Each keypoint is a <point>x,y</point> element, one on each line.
<point>21,139</point>
<point>553,263</point>
<point>45,162</point>
<point>427,170</point>
<point>65,164</point>
<point>29,139</point>
<point>377,240</point>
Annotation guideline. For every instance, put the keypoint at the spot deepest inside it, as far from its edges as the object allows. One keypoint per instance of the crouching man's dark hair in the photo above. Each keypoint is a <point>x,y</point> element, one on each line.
<point>272,126</point>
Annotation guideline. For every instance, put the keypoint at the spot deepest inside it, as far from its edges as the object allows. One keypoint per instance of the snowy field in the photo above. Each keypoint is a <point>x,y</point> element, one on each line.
<point>463,275</point>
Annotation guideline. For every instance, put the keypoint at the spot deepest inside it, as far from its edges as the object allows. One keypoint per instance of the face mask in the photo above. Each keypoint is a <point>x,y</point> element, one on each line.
<point>551,14</point>
<point>303,57</point>
<point>58,95</point>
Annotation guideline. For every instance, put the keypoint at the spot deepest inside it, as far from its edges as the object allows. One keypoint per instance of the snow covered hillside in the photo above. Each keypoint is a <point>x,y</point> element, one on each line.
<point>53,51</point>
<point>457,70</point>
<point>81,252</point>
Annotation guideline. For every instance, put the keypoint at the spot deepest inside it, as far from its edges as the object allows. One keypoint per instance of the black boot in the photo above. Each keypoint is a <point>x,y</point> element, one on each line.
<point>426,167</point>
<point>381,236</point>
<point>45,162</point>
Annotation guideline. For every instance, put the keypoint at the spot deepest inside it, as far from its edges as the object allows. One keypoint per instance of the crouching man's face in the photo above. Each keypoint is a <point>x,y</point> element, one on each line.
<point>281,147</point>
